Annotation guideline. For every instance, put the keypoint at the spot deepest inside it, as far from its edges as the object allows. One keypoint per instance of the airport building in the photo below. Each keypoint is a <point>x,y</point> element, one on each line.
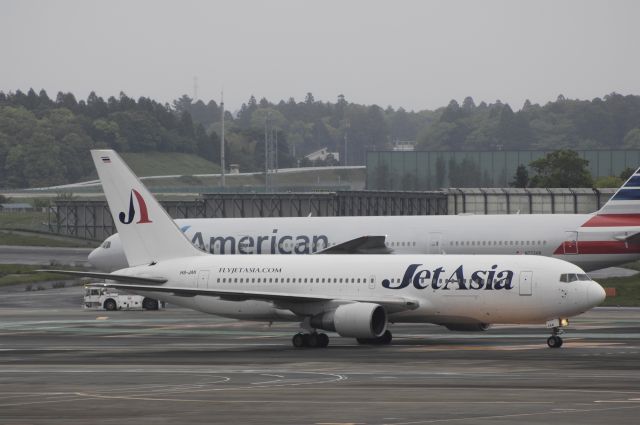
<point>424,170</point>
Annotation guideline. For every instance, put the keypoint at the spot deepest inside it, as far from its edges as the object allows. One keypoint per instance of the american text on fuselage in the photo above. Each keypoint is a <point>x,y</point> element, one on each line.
<point>273,244</point>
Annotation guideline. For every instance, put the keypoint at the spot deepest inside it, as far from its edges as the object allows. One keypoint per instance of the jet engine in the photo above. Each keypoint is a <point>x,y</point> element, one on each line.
<point>356,320</point>
<point>467,327</point>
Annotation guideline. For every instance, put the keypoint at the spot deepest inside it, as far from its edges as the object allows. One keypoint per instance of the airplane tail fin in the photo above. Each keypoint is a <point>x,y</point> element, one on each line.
<point>626,200</point>
<point>148,233</point>
<point>622,209</point>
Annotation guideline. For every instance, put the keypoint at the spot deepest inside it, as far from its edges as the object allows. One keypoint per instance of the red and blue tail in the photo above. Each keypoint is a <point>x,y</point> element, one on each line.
<point>622,209</point>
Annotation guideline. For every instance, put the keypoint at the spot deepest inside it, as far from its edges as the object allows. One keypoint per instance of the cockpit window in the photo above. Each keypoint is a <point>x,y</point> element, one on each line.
<point>572,277</point>
<point>106,245</point>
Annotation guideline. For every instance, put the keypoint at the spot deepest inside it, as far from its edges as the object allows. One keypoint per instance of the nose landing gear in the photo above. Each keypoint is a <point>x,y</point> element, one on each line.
<point>555,341</point>
<point>556,325</point>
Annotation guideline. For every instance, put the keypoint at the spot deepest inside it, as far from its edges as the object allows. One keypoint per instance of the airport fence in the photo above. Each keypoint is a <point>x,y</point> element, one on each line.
<point>92,219</point>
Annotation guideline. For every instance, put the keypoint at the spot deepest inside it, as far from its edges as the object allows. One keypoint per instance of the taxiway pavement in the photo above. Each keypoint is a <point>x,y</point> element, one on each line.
<point>40,255</point>
<point>60,364</point>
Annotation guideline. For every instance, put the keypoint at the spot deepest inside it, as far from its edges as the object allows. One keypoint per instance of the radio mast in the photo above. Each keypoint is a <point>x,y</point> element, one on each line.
<point>222,176</point>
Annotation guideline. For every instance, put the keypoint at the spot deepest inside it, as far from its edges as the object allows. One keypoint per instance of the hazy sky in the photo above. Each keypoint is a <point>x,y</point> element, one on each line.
<point>415,54</point>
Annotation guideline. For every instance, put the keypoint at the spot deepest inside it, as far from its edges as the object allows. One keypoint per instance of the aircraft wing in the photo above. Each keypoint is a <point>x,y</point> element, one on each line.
<point>361,245</point>
<point>119,277</point>
<point>154,284</point>
<point>392,304</point>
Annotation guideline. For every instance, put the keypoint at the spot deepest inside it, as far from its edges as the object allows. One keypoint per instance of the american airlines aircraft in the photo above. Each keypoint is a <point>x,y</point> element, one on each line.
<point>605,238</point>
<point>353,295</point>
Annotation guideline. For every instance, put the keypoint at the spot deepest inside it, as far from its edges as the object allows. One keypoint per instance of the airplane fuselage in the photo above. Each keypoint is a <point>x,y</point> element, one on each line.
<point>562,236</point>
<point>446,289</point>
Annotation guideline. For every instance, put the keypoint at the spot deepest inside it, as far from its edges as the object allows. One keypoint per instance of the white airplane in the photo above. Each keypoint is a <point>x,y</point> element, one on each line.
<point>353,295</point>
<point>605,238</point>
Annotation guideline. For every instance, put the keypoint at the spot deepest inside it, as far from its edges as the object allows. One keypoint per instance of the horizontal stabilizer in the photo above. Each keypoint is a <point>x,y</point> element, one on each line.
<point>109,276</point>
<point>361,245</point>
<point>632,239</point>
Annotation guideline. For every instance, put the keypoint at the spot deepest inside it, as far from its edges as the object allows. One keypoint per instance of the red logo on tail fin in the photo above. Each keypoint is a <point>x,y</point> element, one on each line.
<point>144,214</point>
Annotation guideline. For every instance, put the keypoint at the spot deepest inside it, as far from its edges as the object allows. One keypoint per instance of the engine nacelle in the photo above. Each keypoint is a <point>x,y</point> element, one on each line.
<point>467,327</point>
<point>356,320</point>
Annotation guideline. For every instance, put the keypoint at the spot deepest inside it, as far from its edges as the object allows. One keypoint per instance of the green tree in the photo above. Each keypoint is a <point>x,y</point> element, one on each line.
<point>632,139</point>
<point>561,168</point>
<point>521,178</point>
<point>626,173</point>
<point>608,182</point>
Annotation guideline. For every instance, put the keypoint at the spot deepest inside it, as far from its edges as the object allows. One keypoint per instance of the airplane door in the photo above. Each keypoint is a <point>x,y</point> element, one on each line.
<point>203,279</point>
<point>525,283</point>
<point>434,243</point>
<point>570,244</point>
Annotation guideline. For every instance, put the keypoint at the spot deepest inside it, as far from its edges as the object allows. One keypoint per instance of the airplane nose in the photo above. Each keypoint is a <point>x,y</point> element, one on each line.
<point>93,255</point>
<point>595,294</point>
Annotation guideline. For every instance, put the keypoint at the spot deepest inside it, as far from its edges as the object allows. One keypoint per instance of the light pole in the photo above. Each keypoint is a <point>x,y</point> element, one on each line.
<point>346,140</point>
<point>222,181</point>
<point>266,153</point>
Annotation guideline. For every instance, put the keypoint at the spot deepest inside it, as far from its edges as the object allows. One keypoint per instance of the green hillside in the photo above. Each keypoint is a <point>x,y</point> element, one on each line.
<point>168,163</point>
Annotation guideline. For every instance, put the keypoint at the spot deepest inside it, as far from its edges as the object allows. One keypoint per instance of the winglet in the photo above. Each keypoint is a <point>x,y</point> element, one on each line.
<point>361,245</point>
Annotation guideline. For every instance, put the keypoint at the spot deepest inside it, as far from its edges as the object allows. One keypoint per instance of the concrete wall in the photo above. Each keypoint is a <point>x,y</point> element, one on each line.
<point>526,201</point>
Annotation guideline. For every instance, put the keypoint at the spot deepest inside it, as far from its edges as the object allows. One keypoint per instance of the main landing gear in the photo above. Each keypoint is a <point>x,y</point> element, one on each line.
<point>311,340</point>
